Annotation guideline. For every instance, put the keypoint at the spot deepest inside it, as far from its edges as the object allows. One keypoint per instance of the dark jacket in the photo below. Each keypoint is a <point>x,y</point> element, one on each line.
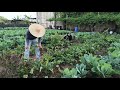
<point>29,36</point>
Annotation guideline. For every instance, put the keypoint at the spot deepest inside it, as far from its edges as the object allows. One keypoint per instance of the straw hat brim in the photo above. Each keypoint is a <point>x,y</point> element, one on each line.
<point>37,30</point>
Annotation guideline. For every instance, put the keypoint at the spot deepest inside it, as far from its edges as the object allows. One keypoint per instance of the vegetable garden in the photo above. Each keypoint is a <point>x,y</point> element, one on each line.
<point>88,55</point>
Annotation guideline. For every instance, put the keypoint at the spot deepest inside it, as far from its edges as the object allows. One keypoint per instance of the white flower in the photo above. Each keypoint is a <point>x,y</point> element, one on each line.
<point>111,32</point>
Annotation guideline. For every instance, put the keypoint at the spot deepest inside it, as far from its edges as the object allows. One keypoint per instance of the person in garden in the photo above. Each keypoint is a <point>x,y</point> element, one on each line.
<point>76,28</point>
<point>68,37</point>
<point>33,37</point>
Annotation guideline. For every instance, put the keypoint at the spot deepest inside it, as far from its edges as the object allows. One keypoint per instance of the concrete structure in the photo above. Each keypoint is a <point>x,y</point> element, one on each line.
<point>33,20</point>
<point>42,19</point>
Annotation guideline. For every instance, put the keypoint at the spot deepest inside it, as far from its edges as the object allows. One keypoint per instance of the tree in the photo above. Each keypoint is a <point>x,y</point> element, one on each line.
<point>17,18</point>
<point>55,14</point>
<point>67,15</point>
<point>26,19</point>
<point>3,20</point>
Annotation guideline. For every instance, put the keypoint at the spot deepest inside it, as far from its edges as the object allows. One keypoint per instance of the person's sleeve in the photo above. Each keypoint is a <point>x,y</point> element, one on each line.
<point>39,40</point>
<point>27,42</point>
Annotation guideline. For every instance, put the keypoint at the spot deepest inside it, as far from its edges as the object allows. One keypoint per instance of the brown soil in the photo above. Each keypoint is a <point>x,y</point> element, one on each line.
<point>115,76</point>
<point>63,66</point>
<point>75,41</point>
<point>2,71</point>
<point>10,64</point>
<point>101,52</point>
<point>56,73</point>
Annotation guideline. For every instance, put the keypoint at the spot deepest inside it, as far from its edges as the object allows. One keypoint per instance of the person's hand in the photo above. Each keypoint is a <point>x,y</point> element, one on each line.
<point>40,46</point>
<point>27,47</point>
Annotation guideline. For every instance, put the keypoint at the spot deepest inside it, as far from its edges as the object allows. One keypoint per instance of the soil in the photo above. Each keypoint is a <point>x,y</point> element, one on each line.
<point>101,52</point>
<point>2,71</point>
<point>56,73</point>
<point>75,41</point>
<point>10,64</point>
<point>115,76</point>
<point>63,66</point>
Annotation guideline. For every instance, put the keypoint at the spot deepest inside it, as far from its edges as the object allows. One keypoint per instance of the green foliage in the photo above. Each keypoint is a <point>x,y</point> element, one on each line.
<point>56,40</point>
<point>89,60</point>
<point>2,19</point>
<point>78,72</point>
<point>104,69</point>
<point>115,63</point>
<point>113,55</point>
<point>69,73</point>
<point>81,69</point>
<point>79,53</point>
<point>94,64</point>
<point>88,18</point>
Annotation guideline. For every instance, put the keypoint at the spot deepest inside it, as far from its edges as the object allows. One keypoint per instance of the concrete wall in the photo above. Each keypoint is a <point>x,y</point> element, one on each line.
<point>59,25</point>
<point>42,18</point>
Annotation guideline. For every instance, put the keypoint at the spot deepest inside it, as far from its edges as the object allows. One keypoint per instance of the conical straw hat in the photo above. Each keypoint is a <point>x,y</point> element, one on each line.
<point>37,30</point>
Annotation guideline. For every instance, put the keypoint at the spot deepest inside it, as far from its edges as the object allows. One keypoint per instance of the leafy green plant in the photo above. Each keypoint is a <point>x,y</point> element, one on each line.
<point>115,53</point>
<point>115,62</point>
<point>89,60</point>
<point>24,69</point>
<point>110,39</point>
<point>104,69</point>
<point>47,64</point>
<point>115,44</point>
<point>81,69</point>
<point>69,73</point>
<point>55,40</point>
